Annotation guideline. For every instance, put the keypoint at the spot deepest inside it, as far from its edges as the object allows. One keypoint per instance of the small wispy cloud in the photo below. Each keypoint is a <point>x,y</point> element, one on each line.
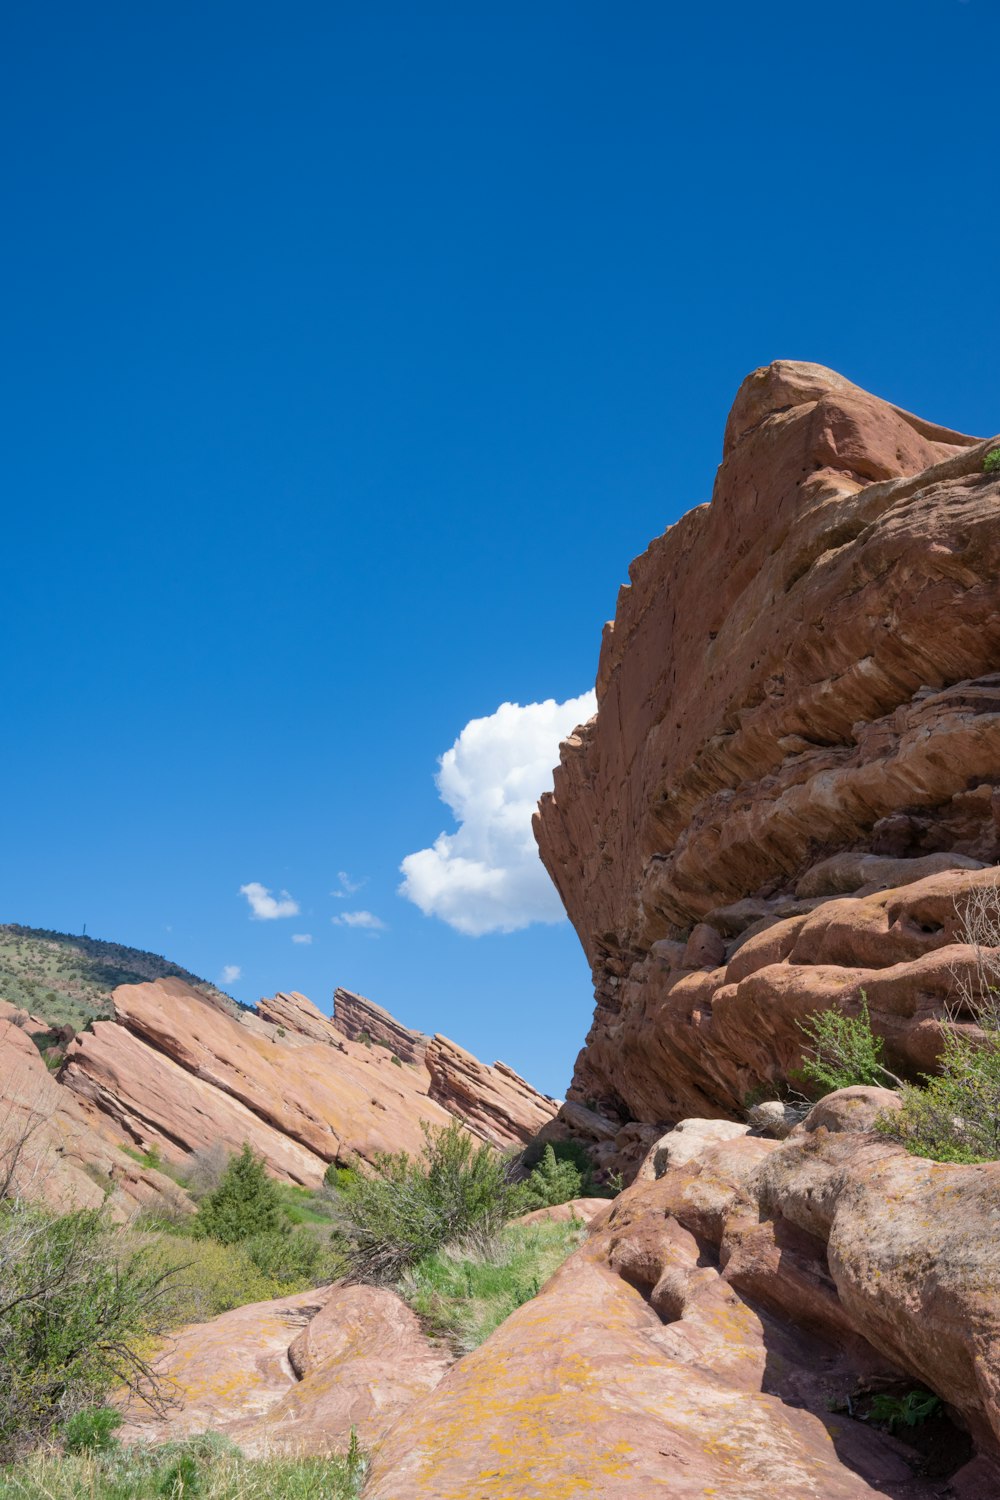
<point>230,974</point>
<point>264,907</point>
<point>366,920</point>
<point>348,887</point>
<point>302,937</point>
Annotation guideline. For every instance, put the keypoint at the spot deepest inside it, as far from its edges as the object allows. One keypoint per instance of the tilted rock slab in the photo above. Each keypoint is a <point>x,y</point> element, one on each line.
<point>174,1071</point>
<point>693,1347</point>
<point>798,704</point>
<point>58,1152</point>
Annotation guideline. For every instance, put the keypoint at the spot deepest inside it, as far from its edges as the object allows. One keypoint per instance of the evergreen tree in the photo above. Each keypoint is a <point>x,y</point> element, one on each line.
<point>552,1181</point>
<point>245,1203</point>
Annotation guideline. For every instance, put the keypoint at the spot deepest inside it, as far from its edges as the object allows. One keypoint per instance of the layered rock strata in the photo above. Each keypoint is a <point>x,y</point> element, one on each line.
<point>176,1072</point>
<point>725,1328</point>
<point>797,735</point>
<point>52,1149</point>
<point>358,1018</point>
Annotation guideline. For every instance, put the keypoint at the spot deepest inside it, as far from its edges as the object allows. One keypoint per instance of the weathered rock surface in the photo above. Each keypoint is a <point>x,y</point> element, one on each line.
<point>52,1148</point>
<point>357,1018</point>
<point>794,769</point>
<point>294,1375</point>
<point>177,1072</point>
<point>724,1304</point>
<point>494,1101</point>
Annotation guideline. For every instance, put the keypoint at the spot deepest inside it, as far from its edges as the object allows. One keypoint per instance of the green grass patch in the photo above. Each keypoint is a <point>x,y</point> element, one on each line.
<point>463,1296</point>
<point>208,1467</point>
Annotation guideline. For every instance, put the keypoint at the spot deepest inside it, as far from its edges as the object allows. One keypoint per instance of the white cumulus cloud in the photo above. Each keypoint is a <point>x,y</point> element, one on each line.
<point>364,919</point>
<point>230,974</point>
<point>487,876</point>
<point>302,937</point>
<point>264,907</point>
<point>347,885</point>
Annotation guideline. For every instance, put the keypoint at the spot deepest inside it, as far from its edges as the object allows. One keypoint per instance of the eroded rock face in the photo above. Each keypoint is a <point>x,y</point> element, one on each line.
<point>179,1073</point>
<point>728,1312</point>
<point>357,1017</point>
<point>796,752</point>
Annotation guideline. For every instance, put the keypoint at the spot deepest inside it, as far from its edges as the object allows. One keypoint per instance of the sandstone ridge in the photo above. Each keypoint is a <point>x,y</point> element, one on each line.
<point>793,774</point>
<point>176,1071</point>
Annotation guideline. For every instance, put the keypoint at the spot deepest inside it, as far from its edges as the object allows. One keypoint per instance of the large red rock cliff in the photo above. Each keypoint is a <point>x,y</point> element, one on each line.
<point>794,770</point>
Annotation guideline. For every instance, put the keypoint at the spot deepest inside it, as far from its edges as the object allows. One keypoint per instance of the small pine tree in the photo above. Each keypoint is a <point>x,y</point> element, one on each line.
<point>245,1203</point>
<point>552,1181</point>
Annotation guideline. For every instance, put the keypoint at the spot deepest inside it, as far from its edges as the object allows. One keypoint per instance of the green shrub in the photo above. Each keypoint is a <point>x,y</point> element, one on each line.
<point>78,1307</point>
<point>339,1178</point>
<point>209,1278</point>
<point>991,463</point>
<point>955,1116</point>
<point>552,1182</point>
<point>92,1430</point>
<point>463,1297</point>
<point>909,1410</point>
<point>294,1261</point>
<point>245,1203</point>
<point>577,1155</point>
<point>402,1208</point>
<point>845,1051</point>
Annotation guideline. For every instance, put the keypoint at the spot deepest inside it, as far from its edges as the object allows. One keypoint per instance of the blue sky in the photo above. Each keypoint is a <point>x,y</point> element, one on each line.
<point>350,354</point>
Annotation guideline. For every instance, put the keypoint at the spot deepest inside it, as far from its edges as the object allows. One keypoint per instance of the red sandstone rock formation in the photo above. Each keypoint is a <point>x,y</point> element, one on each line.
<point>295,1375</point>
<point>727,1314</point>
<point>174,1071</point>
<point>358,1018</point>
<point>57,1151</point>
<point>797,736</point>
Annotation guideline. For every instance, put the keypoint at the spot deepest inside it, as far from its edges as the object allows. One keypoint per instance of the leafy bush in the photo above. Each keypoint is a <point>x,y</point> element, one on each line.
<point>845,1051</point>
<point>402,1208</point>
<point>245,1203</point>
<point>92,1430</point>
<point>339,1178</point>
<point>552,1181</point>
<point>207,1467</point>
<point>78,1308</point>
<point>955,1116</point>
<point>463,1297</point>
<point>991,463</point>
<point>909,1410</point>
<point>293,1261</point>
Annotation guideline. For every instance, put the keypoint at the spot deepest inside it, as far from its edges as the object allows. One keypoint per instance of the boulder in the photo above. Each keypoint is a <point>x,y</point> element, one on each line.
<point>294,1375</point>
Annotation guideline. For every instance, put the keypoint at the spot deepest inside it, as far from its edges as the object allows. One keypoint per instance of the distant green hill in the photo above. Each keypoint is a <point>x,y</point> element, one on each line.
<point>67,980</point>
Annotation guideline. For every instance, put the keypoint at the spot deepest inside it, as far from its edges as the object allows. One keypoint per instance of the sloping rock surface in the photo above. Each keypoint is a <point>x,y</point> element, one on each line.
<point>714,1335</point>
<point>54,1150</point>
<point>798,733</point>
<point>177,1072</point>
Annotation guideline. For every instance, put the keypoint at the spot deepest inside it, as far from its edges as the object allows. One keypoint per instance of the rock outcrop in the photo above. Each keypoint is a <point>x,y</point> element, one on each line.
<point>723,1333</point>
<point>358,1018</point>
<point>177,1072</point>
<point>794,771</point>
<point>54,1151</point>
<point>293,1376</point>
